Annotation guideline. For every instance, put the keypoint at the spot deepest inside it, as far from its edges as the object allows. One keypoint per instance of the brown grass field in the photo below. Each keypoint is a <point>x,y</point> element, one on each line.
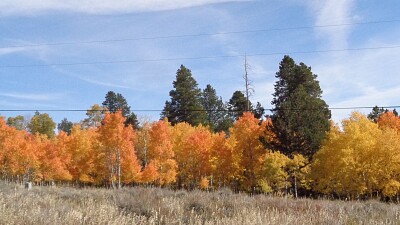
<point>137,205</point>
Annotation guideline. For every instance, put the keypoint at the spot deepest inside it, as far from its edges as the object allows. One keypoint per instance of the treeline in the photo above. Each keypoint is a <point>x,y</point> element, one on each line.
<point>202,142</point>
<point>361,160</point>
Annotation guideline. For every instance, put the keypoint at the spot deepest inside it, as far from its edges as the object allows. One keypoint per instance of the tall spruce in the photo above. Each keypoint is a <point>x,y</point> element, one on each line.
<point>115,102</point>
<point>238,104</point>
<point>376,113</point>
<point>259,111</point>
<point>185,104</point>
<point>217,116</point>
<point>300,117</point>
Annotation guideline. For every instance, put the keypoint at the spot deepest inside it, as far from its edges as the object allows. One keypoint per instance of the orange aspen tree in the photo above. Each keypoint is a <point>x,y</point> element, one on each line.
<point>142,143</point>
<point>192,147</point>
<point>5,153</point>
<point>18,160</point>
<point>81,146</point>
<point>221,160</point>
<point>389,120</point>
<point>117,147</point>
<point>198,149</point>
<point>161,154</point>
<point>180,134</point>
<point>52,166</point>
<point>150,173</point>
<point>248,150</point>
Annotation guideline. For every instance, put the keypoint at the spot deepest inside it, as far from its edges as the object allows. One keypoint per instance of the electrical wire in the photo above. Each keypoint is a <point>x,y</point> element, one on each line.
<point>200,34</point>
<point>201,110</point>
<point>199,57</point>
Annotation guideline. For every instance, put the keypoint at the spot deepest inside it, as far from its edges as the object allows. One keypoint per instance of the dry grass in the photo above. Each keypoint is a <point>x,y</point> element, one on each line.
<point>53,205</point>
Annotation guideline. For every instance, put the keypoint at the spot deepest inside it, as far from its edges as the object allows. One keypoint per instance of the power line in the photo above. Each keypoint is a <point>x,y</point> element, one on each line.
<point>201,110</point>
<point>199,57</point>
<point>199,34</point>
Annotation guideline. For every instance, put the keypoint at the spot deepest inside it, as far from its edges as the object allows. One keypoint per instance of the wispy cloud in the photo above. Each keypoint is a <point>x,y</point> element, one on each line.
<point>16,50</point>
<point>88,79</point>
<point>106,84</point>
<point>333,12</point>
<point>13,7</point>
<point>32,97</point>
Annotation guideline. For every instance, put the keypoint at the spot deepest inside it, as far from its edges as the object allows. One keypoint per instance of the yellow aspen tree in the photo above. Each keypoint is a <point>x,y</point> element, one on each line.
<point>299,169</point>
<point>388,156</point>
<point>348,162</point>
<point>248,150</point>
<point>274,176</point>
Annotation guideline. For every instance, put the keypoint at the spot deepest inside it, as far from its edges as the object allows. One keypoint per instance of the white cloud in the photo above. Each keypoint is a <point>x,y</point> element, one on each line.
<point>365,78</point>
<point>31,97</point>
<point>333,12</point>
<point>89,79</point>
<point>13,7</point>
<point>14,50</point>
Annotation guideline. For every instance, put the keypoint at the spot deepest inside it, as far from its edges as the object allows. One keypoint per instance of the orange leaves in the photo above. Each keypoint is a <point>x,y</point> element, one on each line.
<point>81,149</point>
<point>389,120</point>
<point>221,160</point>
<point>248,149</point>
<point>192,147</point>
<point>117,151</point>
<point>161,154</point>
<point>150,173</point>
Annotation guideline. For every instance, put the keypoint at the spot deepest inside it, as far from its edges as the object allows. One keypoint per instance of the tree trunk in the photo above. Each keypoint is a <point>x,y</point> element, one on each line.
<point>119,168</point>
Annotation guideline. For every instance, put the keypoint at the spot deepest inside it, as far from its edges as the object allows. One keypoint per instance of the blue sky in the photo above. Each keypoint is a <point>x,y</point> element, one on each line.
<point>348,78</point>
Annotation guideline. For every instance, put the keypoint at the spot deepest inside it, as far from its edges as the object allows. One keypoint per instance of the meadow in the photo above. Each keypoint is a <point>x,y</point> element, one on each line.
<point>140,205</point>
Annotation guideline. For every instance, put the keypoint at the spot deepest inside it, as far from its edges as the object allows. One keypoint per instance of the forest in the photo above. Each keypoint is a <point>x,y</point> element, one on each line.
<point>201,142</point>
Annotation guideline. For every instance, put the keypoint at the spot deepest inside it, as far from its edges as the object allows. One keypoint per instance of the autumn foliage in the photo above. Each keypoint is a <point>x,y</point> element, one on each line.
<point>359,158</point>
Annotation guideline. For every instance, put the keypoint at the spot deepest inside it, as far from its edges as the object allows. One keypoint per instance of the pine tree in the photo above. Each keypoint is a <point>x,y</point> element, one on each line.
<point>259,111</point>
<point>217,114</point>
<point>300,117</point>
<point>185,104</point>
<point>115,102</point>
<point>65,126</point>
<point>238,105</point>
<point>376,113</point>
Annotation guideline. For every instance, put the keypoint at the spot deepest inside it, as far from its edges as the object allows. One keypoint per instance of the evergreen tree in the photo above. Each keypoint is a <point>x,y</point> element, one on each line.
<point>185,104</point>
<point>132,120</point>
<point>376,113</point>
<point>116,102</point>
<point>259,111</point>
<point>300,117</point>
<point>65,126</point>
<point>217,114</point>
<point>395,112</point>
<point>238,105</point>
